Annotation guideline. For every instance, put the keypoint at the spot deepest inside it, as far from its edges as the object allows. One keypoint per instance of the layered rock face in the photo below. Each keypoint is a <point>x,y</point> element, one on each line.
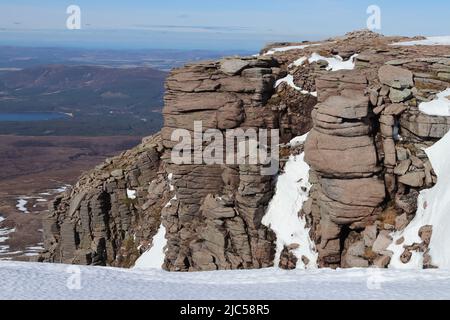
<point>341,151</point>
<point>366,155</point>
<point>109,217</point>
<point>365,151</point>
<point>211,212</point>
<point>215,222</point>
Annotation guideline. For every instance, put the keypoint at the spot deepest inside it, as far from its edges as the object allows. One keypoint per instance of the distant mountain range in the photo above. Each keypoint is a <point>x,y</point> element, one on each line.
<point>162,59</point>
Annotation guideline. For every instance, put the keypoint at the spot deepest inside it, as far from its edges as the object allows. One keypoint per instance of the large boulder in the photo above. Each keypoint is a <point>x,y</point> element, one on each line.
<point>344,214</point>
<point>395,77</point>
<point>337,156</point>
<point>345,107</point>
<point>233,66</point>
<point>359,192</point>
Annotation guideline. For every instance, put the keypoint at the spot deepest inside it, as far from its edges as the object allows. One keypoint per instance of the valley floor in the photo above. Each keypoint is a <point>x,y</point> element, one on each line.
<point>33,171</point>
<point>26,280</point>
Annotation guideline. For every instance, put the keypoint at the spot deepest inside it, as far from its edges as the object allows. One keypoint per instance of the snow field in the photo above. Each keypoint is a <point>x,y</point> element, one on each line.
<point>26,280</point>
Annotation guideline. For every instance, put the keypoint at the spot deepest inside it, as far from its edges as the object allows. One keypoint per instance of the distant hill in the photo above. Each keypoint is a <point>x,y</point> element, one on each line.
<point>60,77</point>
<point>108,92</point>
<point>102,100</point>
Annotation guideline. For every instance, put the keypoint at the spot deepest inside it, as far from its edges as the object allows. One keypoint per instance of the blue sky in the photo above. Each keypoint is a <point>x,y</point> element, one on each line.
<point>245,24</point>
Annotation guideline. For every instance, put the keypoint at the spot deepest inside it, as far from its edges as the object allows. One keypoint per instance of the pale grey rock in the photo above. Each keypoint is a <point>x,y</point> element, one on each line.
<point>413,179</point>
<point>233,66</point>
<point>382,242</point>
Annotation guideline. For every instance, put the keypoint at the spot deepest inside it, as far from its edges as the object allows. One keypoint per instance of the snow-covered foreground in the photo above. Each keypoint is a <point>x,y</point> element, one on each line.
<point>26,280</point>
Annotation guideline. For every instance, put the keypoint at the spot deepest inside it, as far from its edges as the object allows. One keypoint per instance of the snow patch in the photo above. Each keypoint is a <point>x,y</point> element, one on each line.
<point>21,205</point>
<point>289,79</point>
<point>292,191</point>
<point>35,248</point>
<point>31,254</point>
<point>131,194</point>
<point>433,209</point>
<point>429,41</point>
<point>439,106</point>
<point>335,63</point>
<point>4,232</point>
<point>170,178</point>
<point>60,190</point>
<point>169,204</point>
<point>154,257</point>
<point>52,192</point>
<point>32,251</point>
<point>171,188</point>
<point>289,48</point>
<point>4,236</point>
<point>295,142</point>
<point>9,253</point>
<point>298,62</point>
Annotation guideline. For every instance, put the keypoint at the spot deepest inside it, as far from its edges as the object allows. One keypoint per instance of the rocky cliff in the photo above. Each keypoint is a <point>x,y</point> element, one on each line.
<point>358,96</point>
<point>111,215</point>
